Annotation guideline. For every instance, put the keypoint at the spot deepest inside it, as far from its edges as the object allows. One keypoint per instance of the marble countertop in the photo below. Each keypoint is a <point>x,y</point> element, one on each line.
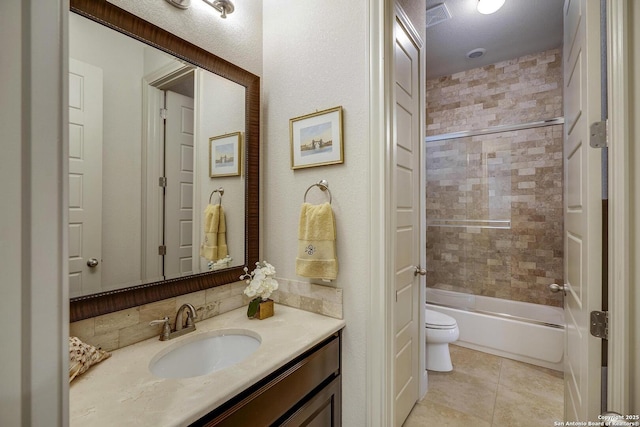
<point>121,390</point>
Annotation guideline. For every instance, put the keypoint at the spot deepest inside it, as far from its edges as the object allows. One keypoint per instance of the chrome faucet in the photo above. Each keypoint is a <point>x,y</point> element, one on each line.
<point>182,327</point>
<point>191,314</point>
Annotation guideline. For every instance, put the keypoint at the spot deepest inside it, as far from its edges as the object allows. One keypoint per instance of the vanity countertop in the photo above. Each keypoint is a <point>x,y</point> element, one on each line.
<point>121,391</point>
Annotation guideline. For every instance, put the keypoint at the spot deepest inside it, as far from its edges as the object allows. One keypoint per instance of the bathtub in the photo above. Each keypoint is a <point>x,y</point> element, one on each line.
<point>530,333</point>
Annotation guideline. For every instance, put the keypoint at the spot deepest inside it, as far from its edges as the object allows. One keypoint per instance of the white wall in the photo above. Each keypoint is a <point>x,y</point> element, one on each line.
<point>33,299</point>
<point>238,38</point>
<point>316,57</point>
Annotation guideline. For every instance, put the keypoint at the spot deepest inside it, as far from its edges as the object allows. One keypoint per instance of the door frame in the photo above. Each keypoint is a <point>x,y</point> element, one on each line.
<point>621,211</point>
<point>619,67</point>
<point>152,214</point>
<point>379,362</point>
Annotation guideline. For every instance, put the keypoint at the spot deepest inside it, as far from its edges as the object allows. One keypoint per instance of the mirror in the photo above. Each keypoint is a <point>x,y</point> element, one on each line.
<point>139,205</point>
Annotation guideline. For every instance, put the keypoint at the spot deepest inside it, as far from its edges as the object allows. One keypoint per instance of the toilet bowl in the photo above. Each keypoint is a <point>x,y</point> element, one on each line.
<point>440,331</point>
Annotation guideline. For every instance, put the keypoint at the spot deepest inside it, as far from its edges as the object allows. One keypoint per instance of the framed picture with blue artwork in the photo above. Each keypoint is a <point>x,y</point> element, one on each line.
<point>316,139</point>
<point>225,155</point>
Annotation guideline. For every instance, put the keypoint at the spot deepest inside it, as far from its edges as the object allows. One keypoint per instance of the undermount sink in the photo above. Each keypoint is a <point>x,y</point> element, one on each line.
<point>203,353</point>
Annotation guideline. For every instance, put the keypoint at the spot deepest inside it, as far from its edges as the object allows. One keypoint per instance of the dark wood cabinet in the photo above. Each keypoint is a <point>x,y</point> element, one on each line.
<point>304,392</point>
<point>322,410</point>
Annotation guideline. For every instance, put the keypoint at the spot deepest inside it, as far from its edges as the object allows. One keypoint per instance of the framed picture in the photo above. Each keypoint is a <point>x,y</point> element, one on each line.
<point>316,139</point>
<point>225,155</point>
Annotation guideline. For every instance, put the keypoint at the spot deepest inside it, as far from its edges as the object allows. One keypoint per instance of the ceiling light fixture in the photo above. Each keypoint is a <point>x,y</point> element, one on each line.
<point>182,4</point>
<point>223,6</point>
<point>487,7</point>
<point>476,53</point>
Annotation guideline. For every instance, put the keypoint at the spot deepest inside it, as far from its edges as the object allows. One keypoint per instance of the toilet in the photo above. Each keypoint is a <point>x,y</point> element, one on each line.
<point>440,331</point>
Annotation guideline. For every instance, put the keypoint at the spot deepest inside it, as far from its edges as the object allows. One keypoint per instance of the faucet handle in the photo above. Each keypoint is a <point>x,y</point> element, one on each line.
<point>166,328</point>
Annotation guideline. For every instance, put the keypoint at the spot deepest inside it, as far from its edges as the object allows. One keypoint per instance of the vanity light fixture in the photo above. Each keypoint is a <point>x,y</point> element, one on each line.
<point>182,4</point>
<point>222,6</point>
<point>487,7</point>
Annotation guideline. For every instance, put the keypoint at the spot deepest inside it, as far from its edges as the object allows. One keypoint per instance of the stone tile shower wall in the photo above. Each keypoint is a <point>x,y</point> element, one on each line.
<point>494,202</point>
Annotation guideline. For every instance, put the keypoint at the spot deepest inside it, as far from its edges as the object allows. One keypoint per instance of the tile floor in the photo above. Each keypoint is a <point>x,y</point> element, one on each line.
<point>490,391</point>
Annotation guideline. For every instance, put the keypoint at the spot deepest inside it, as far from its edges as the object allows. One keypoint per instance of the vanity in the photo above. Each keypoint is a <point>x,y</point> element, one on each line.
<point>293,377</point>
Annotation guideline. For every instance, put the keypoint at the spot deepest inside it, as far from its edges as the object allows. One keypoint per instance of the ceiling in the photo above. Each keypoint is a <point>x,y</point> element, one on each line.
<point>519,28</point>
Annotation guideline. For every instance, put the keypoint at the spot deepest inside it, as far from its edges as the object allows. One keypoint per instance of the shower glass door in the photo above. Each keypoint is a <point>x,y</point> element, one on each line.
<point>494,214</point>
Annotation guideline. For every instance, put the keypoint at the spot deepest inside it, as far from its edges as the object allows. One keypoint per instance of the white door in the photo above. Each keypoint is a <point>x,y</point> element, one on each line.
<point>583,216</point>
<point>407,202</point>
<point>85,178</point>
<point>178,220</point>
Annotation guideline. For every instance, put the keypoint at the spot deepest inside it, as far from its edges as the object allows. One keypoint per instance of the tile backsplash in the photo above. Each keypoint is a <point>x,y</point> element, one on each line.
<point>122,328</point>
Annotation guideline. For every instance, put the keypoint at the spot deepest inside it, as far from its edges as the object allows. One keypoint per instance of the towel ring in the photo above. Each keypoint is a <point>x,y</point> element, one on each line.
<point>219,190</point>
<point>323,185</point>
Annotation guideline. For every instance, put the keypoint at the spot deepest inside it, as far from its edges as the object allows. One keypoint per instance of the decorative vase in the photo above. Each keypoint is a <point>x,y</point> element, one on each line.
<point>265,309</point>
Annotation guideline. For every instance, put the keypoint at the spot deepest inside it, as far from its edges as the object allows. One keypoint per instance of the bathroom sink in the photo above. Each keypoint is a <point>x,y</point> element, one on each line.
<point>204,353</point>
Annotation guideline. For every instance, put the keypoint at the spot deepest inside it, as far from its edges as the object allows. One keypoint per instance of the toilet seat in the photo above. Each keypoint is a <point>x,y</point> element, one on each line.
<point>436,320</point>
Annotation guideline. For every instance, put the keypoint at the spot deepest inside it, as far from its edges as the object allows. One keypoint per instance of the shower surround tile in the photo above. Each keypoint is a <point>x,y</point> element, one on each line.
<point>511,176</point>
<point>520,90</point>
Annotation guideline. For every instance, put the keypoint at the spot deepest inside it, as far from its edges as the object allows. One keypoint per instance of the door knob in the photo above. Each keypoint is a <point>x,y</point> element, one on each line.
<point>420,271</point>
<point>92,262</point>
<point>554,287</point>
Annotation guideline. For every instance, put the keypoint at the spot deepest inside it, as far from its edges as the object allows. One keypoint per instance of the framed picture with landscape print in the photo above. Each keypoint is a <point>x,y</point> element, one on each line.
<point>316,139</point>
<point>225,155</point>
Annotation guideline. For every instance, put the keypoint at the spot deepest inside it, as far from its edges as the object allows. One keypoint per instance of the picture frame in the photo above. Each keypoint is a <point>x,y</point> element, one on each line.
<point>316,139</point>
<point>225,155</point>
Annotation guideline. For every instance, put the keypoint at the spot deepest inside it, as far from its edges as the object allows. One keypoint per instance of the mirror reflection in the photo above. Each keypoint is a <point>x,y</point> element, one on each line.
<point>156,179</point>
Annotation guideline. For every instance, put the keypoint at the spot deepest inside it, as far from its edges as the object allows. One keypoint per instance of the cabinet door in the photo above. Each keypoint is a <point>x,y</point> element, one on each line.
<point>322,410</point>
<point>269,401</point>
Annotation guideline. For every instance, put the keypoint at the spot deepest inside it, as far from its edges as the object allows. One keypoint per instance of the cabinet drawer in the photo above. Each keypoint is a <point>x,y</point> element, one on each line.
<point>271,398</point>
<point>324,409</point>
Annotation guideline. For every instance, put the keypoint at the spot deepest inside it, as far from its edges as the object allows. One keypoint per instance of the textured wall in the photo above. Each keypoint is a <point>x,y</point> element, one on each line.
<point>509,179</point>
<point>316,61</point>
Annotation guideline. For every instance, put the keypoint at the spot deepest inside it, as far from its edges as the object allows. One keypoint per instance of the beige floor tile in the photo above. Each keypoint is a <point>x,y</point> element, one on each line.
<point>427,413</point>
<point>522,377</point>
<point>482,365</point>
<point>524,409</point>
<point>462,392</point>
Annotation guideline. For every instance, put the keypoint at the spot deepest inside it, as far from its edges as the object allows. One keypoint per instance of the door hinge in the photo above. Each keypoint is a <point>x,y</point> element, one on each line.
<point>598,134</point>
<point>162,250</point>
<point>163,113</point>
<point>162,181</point>
<point>600,324</point>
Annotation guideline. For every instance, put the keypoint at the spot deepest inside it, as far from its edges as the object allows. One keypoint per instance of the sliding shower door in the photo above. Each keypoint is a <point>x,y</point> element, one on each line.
<point>494,212</point>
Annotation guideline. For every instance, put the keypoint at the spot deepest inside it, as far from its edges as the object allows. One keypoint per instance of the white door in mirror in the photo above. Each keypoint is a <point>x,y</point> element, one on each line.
<point>85,178</point>
<point>203,354</point>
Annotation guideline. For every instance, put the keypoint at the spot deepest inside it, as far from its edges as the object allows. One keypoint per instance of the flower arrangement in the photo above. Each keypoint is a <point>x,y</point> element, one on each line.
<point>260,285</point>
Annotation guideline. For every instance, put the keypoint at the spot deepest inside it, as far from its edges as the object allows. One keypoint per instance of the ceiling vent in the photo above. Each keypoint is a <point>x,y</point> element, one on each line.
<point>437,14</point>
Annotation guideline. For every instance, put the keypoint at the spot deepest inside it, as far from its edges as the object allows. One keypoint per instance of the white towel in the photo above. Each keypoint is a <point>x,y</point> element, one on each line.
<point>317,242</point>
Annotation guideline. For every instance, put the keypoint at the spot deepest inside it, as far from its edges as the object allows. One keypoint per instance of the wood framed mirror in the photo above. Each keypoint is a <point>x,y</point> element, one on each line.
<point>108,15</point>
